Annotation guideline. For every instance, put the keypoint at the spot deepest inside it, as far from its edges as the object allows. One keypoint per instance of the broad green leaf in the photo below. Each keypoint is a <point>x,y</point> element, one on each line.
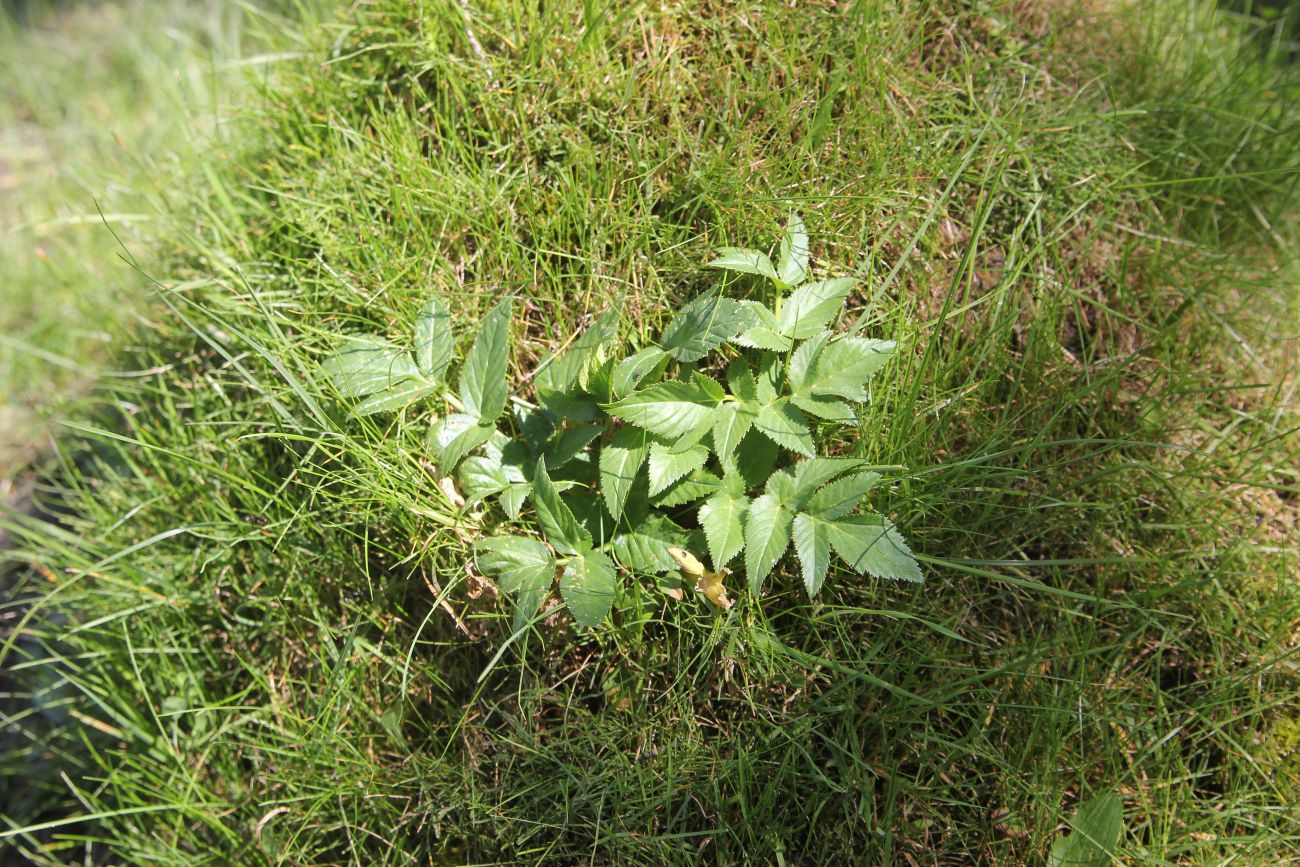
<point>559,373</point>
<point>764,333</point>
<point>588,586</point>
<point>696,486</point>
<point>366,365</point>
<point>620,459</point>
<point>792,266</point>
<point>841,496</point>
<point>483,385</point>
<point>801,363</point>
<point>811,474</point>
<point>558,523</point>
<point>781,485</point>
<point>433,339</point>
<point>631,370</point>
<point>454,436</point>
<point>768,378</point>
<point>523,567</point>
<point>667,466</point>
<point>481,477</point>
<point>644,547</point>
<point>397,397</point>
<point>744,261</point>
<point>570,443</point>
<point>730,424</point>
<point>821,406</point>
<point>755,458</point>
<point>813,306</point>
<point>669,409</point>
<point>722,517</point>
<point>740,380</point>
<point>844,365</point>
<point>870,544</point>
<point>512,498</point>
<point>702,325</point>
<point>784,424</point>
<point>1097,829</point>
<point>813,545</point>
<point>767,535</point>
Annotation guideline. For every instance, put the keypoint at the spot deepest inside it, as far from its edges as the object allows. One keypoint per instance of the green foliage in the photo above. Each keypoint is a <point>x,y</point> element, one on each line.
<point>1096,831</point>
<point>599,419</point>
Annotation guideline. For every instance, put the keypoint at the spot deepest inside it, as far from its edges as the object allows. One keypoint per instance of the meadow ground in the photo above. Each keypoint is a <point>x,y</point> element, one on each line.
<point>247,629</point>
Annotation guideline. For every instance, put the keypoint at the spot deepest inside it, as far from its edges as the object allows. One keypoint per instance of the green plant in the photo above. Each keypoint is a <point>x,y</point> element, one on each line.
<point>711,453</point>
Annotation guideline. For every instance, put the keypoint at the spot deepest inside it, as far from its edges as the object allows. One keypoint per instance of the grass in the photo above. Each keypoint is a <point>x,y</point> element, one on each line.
<point>252,636</point>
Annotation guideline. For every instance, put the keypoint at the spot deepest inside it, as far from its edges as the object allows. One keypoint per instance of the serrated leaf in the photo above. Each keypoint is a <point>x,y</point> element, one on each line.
<point>784,424</point>
<point>767,535</point>
<point>722,517</point>
<point>367,365</point>
<point>870,544</point>
<point>841,496</point>
<point>811,474</point>
<point>667,466</point>
<point>767,378</point>
<point>764,333</point>
<point>740,380</point>
<point>702,325</point>
<point>433,339</point>
<point>813,306</point>
<point>588,586</point>
<point>730,424</point>
<point>812,544</point>
<point>559,373</point>
<point>523,567</point>
<point>483,385</point>
<point>454,436</point>
<point>781,485</point>
<point>824,407</point>
<point>558,523</point>
<point>512,498</point>
<point>481,477</point>
<point>845,365</point>
<point>644,547</point>
<point>696,486</point>
<point>745,261</point>
<point>620,459</point>
<point>801,363</point>
<point>792,265</point>
<point>669,409</point>
<point>1097,828</point>
<point>630,371</point>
